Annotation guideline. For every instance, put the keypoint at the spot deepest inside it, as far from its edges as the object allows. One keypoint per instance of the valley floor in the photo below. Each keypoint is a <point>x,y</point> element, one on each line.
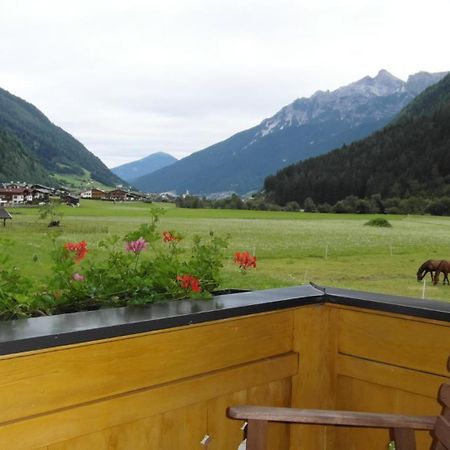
<point>291,248</point>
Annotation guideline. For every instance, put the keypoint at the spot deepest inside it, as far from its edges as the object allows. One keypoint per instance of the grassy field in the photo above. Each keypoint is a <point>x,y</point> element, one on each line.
<point>292,248</point>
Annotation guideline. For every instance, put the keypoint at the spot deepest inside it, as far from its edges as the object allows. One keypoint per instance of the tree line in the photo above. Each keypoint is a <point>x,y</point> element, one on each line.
<point>409,159</point>
<point>349,205</point>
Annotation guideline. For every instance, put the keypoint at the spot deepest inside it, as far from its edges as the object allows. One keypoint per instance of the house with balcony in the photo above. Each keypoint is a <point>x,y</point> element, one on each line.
<point>40,194</point>
<point>16,196</point>
<point>118,195</point>
<point>94,193</point>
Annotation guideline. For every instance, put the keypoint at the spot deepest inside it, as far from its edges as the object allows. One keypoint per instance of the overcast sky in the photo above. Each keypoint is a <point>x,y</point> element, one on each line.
<point>129,78</point>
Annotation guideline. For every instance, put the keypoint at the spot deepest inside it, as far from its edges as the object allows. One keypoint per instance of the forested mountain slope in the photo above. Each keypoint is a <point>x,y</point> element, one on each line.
<point>53,147</point>
<point>17,164</point>
<point>411,156</point>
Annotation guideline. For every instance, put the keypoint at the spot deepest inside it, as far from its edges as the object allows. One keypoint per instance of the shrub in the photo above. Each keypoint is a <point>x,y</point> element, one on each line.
<point>324,208</point>
<point>292,206</point>
<point>413,205</point>
<point>363,206</point>
<point>378,222</point>
<point>52,211</point>
<point>341,207</point>
<point>309,205</point>
<point>439,207</point>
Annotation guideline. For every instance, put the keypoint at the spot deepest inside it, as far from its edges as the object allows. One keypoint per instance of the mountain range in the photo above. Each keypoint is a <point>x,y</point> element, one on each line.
<point>305,128</point>
<point>51,151</point>
<point>408,158</point>
<point>130,171</point>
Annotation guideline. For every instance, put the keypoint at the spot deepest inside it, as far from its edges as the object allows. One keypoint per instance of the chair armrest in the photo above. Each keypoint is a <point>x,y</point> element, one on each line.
<point>325,417</point>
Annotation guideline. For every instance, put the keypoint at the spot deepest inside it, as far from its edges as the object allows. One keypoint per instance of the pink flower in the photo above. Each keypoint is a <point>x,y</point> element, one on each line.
<point>136,246</point>
<point>78,277</point>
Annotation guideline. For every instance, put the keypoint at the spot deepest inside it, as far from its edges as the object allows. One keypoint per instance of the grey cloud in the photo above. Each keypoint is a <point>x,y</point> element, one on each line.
<point>130,78</point>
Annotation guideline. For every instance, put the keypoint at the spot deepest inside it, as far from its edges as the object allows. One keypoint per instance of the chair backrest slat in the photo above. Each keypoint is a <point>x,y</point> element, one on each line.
<point>442,431</point>
<point>444,394</point>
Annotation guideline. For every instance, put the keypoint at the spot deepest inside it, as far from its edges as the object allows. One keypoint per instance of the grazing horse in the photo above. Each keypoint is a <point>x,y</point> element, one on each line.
<point>444,267</point>
<point>429,266</point>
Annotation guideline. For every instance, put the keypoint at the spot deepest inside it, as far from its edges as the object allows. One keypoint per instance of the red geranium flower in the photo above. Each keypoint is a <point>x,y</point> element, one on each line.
<point>189,282</point>
<point>245,260</point>
<point>169,237</point>
<point>79,248</point>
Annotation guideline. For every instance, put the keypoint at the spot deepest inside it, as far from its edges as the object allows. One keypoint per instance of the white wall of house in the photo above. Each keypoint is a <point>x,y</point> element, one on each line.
<point>86,194</point>
<point>17,199</point>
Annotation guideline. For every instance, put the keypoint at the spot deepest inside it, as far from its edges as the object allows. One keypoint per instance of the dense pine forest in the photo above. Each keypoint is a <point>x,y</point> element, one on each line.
<point>17,163</point>
<point>408,159</point>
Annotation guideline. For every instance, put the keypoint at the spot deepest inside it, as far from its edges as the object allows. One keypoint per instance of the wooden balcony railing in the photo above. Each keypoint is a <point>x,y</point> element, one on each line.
<point>162,377</point>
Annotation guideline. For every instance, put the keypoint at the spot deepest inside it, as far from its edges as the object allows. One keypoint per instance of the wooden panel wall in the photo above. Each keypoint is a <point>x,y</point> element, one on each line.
<point>160,390</point>
<point>184,428</point>
<point>85,373</point>
<point>363,360</point>
<point>315,340</point>
<point>388,363</point>
<point>165,390</point>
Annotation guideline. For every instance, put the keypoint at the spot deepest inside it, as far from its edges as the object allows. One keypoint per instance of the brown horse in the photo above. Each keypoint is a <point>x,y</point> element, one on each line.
<point>444,267</point>
<point>429,266</point>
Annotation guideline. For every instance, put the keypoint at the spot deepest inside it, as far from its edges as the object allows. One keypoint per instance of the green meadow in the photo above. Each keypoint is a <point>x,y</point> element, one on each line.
<point>291,248</point>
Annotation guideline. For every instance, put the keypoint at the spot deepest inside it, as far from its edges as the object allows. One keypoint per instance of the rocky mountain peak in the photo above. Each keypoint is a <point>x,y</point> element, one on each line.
<point>383,84</point>
<point>353,103</point>
<point>419,81</point>
<point>383,73</point>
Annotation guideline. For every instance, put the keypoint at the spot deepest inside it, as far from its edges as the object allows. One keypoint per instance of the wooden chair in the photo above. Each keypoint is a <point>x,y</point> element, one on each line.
<point>402,427</point>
